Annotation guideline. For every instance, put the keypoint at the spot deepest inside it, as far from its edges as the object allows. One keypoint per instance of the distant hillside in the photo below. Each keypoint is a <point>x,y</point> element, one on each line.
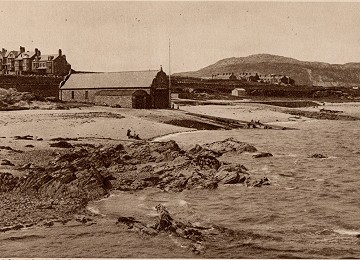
<point>303,72</point>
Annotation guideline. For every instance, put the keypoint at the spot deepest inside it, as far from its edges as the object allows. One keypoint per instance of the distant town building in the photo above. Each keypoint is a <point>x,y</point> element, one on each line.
<point>253,77</point>
<point>225,75</point>
<point>238,92</point>
<point>9,62</point>
<point>23,62</point>
<point>246,76</point>
<point>32,62</point>
<point>136,89</point>
<point>55,64</point>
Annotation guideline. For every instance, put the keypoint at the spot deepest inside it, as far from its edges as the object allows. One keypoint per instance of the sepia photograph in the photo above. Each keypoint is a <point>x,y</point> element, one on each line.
<point>180,129</point>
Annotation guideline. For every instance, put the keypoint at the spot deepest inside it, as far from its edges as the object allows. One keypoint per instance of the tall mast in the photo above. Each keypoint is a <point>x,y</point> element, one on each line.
<point>169,77</point>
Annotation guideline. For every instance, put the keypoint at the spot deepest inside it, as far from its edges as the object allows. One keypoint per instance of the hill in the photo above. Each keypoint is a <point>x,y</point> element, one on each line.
<point>303,72</point>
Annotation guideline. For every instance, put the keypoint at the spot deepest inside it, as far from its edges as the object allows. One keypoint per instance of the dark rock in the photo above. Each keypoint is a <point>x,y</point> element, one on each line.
<point>165,220</point>
<point>149,231</point>
<point>29,145</point>
<point>8,148</point>
<point>258,183</point>
<point>119,147</point>
<point>261,155</point>
<point>128,221</point>
<point>6,162</point>
<point>318,155</point>
<point>228,177</point>
<point>153,151</point>
<point>210,184</point>
<point>83,219</point>
<point>231,174</point>
<point>199,150</point>
<point>25,137</point>
<point>63,139</point>
<point>62,144</point>
<point>230,145</point>
<point>206,162</point>
<point>67,178</point>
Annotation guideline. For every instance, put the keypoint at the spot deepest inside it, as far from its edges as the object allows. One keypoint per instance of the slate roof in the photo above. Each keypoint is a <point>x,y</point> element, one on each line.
<point>8,52</point>
<point>23,55</point>
<point>46,57</point>
<point>111,80</point>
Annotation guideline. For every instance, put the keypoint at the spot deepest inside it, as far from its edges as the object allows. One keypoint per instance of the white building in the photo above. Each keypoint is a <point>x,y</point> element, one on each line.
<point>239,92</point>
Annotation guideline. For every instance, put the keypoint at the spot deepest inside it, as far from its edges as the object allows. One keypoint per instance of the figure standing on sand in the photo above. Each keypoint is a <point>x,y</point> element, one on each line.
<point>135,136</point>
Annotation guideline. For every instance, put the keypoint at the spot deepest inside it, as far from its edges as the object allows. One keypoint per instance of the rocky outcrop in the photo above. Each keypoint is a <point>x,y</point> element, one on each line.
<point>166,223</point>
<point>11,98</point>
<point>87,172</point>
<point>195,237</point>
<point>230,145</point>
<point>91,172</point>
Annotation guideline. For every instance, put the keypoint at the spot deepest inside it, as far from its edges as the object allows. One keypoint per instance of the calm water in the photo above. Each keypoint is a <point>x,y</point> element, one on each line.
<point>311,210</point>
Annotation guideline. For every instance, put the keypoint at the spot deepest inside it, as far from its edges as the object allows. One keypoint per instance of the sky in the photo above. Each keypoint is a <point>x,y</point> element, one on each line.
<point>121,36</point>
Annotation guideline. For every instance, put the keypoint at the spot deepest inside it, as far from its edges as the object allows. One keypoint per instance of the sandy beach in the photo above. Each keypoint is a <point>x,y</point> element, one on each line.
<point>48,157</point>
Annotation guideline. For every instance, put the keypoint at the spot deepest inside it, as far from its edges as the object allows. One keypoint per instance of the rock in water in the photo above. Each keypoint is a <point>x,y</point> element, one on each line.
<point>257,183</point>
<point>231,174</point>
<point>261,155</point>
<point>165,220</point>
<point>230,145</point>
<point>318,155</point>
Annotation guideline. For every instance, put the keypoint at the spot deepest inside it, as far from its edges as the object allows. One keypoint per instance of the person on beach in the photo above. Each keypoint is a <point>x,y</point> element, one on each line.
<point>136,136</point>
<point>128,133</point>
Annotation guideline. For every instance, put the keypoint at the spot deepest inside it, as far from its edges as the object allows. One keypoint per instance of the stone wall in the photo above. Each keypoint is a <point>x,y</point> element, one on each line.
<point>122,101</point>
<point>79,95</point>
<point>38,85</point>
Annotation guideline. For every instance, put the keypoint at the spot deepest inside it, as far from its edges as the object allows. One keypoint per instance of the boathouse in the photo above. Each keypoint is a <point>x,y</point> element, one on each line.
<point>132,89</point>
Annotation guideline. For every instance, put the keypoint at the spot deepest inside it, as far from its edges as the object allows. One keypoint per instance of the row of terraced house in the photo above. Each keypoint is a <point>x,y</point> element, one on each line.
<point>33,62</point>
<point>255,77</point>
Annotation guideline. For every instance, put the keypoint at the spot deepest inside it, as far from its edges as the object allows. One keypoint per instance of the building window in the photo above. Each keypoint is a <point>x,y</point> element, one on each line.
<point>86,94</point>
<point>72,94</point>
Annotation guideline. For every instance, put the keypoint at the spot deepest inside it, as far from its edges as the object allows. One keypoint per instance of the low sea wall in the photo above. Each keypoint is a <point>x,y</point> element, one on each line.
<point>44,86</point>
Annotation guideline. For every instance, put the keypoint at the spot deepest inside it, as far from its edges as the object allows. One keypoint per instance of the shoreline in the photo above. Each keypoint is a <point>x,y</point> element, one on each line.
<point>29,153</point>
<point>45,181</point>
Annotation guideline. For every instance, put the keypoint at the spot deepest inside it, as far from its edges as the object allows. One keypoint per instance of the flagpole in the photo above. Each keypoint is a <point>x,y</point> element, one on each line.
<point>169,77</point>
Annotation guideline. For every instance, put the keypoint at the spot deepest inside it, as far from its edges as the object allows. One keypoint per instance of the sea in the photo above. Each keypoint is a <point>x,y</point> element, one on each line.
<point>310,210</point>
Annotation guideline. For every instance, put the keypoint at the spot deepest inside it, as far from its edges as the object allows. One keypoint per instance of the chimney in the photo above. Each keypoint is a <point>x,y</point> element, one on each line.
<point>22,49</point>
<point>60,52</point>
